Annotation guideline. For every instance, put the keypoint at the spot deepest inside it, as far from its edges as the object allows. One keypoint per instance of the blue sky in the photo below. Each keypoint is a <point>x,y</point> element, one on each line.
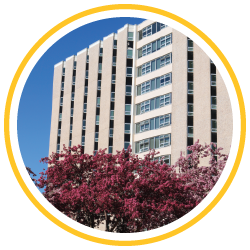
<point>34,114</point>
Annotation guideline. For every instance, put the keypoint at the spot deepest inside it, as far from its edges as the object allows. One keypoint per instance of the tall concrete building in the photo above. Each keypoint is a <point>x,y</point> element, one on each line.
<point>148,86</point>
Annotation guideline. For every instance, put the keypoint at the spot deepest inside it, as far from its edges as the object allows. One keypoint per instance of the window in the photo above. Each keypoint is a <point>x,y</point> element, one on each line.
<point>190,88</point>
<point>70,143</point>
<point>61,101</point>
<point>84,124</point>
<point>129,53</point>
<point>129,71</point>
<point>85,107</point>
<point>87,74</point>
<point>71,128</point>
<point>214,125</point>
<point>190,65</point>
<point>153,143</point>
<point>115,44</point>
<point>112,114</point>
<point>97,120</point>
<point>62,86</point>
<point>113,78</point>
<point>213,102</point>
<point>128,90</point>
<point>190,131</point>
<point>86,90</point>
<point>73,80</point>
<point>71,112</point>
<point>59,132</point>
<point>127,109</point>
<point>190,45</point>
<point>83,140</point>
<point>111,132</point>
<point>154,103</point>
<point>127,128</point>
<point>151,29</point>
<point>100,68</point>
<point>110,149</point>
<point>130,36</point>
<point>72,96</point>
<point>112,96</point>
<point>87,58</point>
<point>101,51</point>
<point>163,159</point>
<point>96,136</point>
<point>154,46</point>
<point>98,101</point>
<point>154,84</point>
<point>63,71</point>
<point>154,64</point>
<point>58,148</point>
<point>74,64</point>
<point>126,144</point>
<point>99,82</point>
<point>153,123</point>
<point>190,109</point>
<point>213,79</point>
<point>114,61</point>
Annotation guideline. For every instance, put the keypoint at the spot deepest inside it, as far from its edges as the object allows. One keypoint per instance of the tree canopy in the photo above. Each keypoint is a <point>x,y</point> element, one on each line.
<point>125,192</point>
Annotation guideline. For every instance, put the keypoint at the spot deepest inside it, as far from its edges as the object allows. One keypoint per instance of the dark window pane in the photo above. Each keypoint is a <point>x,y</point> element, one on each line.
<point>213,90</point>
<point>190,121</point>
<point>128,100</point>
<point>190,77</point>
<point>110,141</point>
<point>127,137</point>
<point>112,87</point>
<point>213,114</point>
<point>111,124</point>
<point>113,70</point>
<point>190,55</point>
<point>214,137</point>
<point>87,66</point>
<point>190,99</point>
<point>128,80</point>
<point>190,141</point>
<point>96,146</point>
<point>157,122</point>
<point>153,28</point>
<point>127,119</point>
<point>129,62</point>
<point>213,68</point>
<point>100,59</point>
<point>114,52</point>
<point>99,76</point>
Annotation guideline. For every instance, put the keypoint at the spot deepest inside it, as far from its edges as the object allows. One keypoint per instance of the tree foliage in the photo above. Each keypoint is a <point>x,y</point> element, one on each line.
<point>127,193</point>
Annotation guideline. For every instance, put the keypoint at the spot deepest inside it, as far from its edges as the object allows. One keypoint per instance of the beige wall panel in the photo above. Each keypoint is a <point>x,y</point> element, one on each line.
<point>55,107</point>
<point>179,95</point>
<point>202,97</point>
<point>153,37</point>
<point>161,91</point>
<point>79,99</point>
<point>224,116</point>
<point>119,116</point>
<point>159,72</point>
<point>105,93</point>
<point>152,133</point>
<point>67,102</point>
<point>91,102</point>
<point>152,56</point>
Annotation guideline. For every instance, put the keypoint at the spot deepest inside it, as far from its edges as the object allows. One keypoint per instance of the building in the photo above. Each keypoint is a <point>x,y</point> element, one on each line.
<point>148,86</point>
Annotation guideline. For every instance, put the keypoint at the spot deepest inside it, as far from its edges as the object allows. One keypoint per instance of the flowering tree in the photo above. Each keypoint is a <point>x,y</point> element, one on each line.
<point>127,193</point>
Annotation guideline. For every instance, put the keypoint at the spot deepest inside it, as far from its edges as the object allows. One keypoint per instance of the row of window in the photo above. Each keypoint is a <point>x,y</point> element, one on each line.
<point>153,123</point>
<point>153,103</point>
<point>154,84</point>
<point>163,159</point>
<point>154,64</point>
<point>154,46</point>
<point>150,30</point>
<point>153,143</point>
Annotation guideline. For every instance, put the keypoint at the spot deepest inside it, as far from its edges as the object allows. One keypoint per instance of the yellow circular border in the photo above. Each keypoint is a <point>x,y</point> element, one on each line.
<point>125,7</point>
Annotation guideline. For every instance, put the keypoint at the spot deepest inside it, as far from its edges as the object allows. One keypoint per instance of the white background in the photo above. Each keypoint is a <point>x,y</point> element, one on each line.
<point>23,23</point>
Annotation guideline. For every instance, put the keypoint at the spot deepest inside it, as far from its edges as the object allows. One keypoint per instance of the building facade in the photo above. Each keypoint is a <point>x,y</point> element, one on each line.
<point>148,86</point>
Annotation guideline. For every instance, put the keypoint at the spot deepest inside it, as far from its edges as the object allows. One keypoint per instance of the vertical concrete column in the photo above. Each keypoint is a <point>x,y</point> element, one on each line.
<point>179,95</point>
<point>107,61</point>
<point>202,96</point>
<point>67,102</point>
<point>92,93</point>
<point>224,115</point>
<point>57,80</point>
<point>79,98</point>
<point>119,114</point>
